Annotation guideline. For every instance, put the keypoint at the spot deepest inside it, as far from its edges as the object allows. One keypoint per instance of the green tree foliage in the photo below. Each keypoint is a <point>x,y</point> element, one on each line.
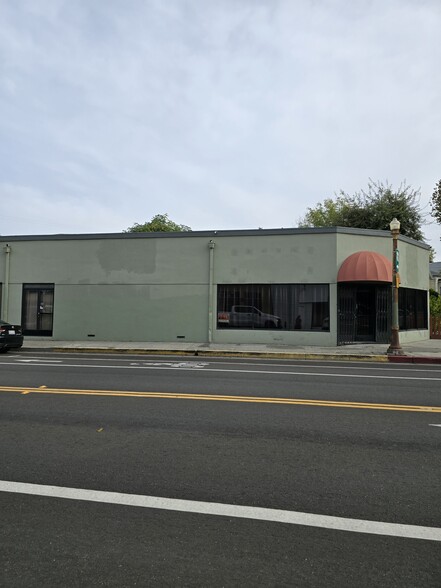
<point>373,208</point>
<point>436,202</point>
<point>329,213</point>
<point>435,303</point>
<point>160,223</point>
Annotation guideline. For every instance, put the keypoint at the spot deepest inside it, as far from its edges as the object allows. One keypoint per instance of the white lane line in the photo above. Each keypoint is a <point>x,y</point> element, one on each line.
<point>434,425</point>
<point>228,510</point>
<point>45,361</point>
<point>254,362</point>
<point>270,372</point>
<point>180,364</point>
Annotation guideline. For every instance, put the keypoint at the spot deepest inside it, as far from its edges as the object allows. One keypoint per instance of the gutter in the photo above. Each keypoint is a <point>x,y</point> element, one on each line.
<point>210,291</point>
<point>5,297</point>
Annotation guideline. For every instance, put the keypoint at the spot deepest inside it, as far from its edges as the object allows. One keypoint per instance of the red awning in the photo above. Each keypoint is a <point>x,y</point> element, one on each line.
<point>365,266</point>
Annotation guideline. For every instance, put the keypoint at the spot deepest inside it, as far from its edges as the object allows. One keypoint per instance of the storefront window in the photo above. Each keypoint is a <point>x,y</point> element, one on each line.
<point>412,306</point>
<point>273,306</point>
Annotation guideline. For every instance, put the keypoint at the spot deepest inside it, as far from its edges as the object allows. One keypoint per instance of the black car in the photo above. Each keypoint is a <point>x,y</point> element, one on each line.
<point>11,336</point>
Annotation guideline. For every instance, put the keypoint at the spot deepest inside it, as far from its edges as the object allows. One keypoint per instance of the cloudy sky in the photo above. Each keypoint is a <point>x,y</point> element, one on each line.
<point>222,113</point>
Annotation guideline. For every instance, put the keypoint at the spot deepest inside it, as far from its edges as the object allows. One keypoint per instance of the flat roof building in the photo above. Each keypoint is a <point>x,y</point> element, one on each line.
<point>323,286</point>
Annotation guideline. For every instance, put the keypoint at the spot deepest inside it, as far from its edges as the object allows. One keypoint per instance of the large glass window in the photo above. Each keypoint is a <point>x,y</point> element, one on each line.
<point>412,305</point>
<point>273,306</point>
<point>38,309</point>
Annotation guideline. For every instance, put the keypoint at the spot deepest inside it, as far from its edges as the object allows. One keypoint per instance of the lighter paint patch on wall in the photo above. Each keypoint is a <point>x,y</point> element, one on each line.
<point>114,257</point>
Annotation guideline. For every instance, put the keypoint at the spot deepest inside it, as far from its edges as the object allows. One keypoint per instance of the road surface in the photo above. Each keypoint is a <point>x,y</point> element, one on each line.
<point>121,470</point>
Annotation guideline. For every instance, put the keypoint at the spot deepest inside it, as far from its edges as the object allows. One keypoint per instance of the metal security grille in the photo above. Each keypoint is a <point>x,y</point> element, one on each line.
<point>346,314</point>
<point>383,314</point>
<point>364,313</point>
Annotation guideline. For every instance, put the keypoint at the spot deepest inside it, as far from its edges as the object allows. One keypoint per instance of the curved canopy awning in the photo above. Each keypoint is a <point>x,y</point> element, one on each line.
<point>365,266</point>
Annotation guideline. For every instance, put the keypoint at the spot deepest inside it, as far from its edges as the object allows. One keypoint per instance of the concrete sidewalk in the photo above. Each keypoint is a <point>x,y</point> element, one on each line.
<point>422,352</point>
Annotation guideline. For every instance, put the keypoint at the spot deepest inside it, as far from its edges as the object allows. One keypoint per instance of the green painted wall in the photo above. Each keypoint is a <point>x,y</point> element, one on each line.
<point>155,288</point>
<point>302,259</point>
<point>414,260</point>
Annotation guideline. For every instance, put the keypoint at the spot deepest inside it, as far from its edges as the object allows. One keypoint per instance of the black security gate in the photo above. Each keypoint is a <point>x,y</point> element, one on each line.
<point>364,313</point>
<point>383,310</point>
<point>346,313</point>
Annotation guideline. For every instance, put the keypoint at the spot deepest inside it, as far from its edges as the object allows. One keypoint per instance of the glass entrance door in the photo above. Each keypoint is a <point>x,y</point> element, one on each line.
<point>38,309</point>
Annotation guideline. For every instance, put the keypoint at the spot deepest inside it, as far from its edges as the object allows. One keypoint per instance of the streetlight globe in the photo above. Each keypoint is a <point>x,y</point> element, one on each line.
<point>394,224</point>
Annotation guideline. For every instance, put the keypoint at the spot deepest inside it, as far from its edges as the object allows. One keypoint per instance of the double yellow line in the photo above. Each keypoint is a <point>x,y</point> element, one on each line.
<point>222,398</point>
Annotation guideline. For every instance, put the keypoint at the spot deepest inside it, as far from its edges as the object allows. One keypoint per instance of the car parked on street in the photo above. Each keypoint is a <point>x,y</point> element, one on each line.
<point>11,336</point>
<point>248,317</point>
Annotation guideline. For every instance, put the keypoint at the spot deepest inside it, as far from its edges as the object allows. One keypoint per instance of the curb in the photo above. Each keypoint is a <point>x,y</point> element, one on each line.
<point>289,355</point>
<point>219,353</point>
<point>115,350</point>
<point>413,359</point>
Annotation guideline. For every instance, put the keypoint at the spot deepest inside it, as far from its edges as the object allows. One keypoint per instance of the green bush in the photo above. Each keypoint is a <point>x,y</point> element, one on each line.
<point>435,304</point>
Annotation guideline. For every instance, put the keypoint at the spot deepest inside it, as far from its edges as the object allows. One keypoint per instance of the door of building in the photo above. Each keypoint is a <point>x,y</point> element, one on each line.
<point>364,312</point>
<point>383,313</point>
<point>38,309</point>
<point>346,314</point>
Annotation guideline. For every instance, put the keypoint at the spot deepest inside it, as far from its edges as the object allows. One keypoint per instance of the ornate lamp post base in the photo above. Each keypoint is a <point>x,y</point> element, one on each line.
<point>395,347</point>
<point>395,351</point>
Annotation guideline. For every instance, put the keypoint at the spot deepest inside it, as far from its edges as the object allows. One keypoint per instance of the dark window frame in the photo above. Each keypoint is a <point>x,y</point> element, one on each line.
<point>281,306</point>
<point>413,309</point>
<point>44,320</point>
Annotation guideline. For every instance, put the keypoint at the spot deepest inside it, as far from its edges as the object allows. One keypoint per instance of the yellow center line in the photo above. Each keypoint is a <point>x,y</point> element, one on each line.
<point>222,398</point>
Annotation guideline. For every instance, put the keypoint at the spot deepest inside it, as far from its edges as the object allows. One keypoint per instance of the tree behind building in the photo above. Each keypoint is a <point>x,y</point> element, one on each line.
<point>373,208</point>
<point>160,223</point>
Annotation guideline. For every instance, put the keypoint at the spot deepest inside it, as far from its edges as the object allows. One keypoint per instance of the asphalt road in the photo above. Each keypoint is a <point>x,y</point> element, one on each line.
<point>349,441</point>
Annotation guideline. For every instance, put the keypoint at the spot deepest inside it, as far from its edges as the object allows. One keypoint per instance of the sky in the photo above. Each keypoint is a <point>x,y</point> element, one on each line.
<point>224,114</point>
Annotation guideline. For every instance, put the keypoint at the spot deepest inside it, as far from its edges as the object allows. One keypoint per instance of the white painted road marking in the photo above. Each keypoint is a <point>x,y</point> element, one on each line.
<point>172,364</point>
<point>434,425</point>
<point>40,360</point>
<point>270,372</point>
<point>372,366</point>
<point>228,510</point>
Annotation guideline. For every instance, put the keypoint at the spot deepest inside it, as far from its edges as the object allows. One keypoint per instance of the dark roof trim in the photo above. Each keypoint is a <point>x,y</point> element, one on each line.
<point>210,235</point>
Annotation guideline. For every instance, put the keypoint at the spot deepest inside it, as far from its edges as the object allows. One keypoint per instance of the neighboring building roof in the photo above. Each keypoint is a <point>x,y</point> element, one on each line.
<point>435,268</point>
<point>365,266</point>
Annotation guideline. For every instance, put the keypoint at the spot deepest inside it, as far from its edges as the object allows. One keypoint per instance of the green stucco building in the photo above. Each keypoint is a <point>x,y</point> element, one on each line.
<point>289,286</point>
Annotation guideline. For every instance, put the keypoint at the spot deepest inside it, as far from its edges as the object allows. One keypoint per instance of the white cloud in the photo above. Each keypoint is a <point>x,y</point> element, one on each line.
<point>225,115</point>
<point>34,213</point>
